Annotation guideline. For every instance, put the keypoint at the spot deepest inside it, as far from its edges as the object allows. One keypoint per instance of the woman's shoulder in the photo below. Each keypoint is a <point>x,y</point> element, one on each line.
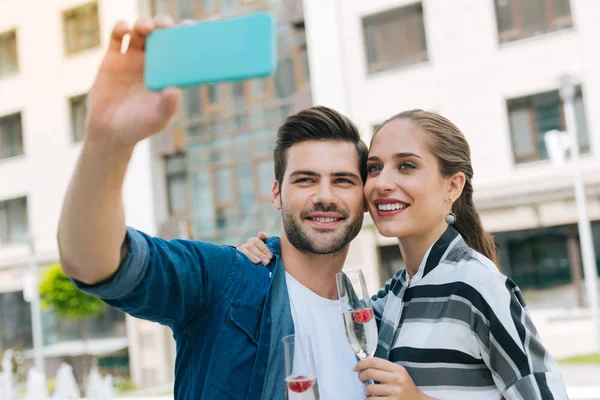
<point>471,262</point>
<point>487,278</point>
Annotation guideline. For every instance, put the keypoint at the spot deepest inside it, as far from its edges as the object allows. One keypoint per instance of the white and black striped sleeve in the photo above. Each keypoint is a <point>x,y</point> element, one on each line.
<point>521,367</point>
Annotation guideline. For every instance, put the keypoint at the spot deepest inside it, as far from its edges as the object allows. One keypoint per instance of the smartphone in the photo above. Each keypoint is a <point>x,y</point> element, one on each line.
<point>210,52</point>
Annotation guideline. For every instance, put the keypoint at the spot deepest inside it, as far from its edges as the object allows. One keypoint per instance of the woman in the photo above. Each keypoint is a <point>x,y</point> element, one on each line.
<point>451,326</point>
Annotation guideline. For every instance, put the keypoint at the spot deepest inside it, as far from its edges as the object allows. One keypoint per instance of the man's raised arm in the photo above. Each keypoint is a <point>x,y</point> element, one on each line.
<point>121,112</point>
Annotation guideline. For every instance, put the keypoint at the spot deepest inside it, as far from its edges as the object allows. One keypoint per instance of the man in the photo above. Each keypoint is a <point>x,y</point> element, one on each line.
<point>227,315</point>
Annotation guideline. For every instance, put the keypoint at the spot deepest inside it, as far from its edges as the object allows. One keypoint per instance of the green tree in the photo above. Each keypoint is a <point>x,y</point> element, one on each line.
<point>59,294</point>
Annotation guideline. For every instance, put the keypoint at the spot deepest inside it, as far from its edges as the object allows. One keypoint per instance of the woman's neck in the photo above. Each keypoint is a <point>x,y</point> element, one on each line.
<point>414,247</point>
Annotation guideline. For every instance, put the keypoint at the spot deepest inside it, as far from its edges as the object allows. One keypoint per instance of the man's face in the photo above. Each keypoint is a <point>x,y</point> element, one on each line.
<point>321,196</point>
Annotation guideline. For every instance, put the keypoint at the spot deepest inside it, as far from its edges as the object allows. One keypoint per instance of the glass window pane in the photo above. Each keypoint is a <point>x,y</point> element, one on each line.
<point>371,45</point>
<point>176,187</point>
<point>160,7</point>
<point>521,132</point>
<point>18,220</point>
<point>78,114</point>
<point>228,220</point>
<point>175,164</point>
<point>215,96</point>
<point>193,102</point>
<point>108,325</point>
<point>266,177</point>
<point>222,151</point>
<point>546,107</point>
<point>245,187</point>
<point>15,317</point>
<point>208,6</point>
<point>258,87</point>
<point>562,9</point>
<point>185,9</point>
<point>419,32</point>
<point>534,17</point>
<point>382,31</point>
<point>285,84</point>
<point>224,181</point>
<point>4,238</point>
<point>241,122</point>
<point>504,15</point>
<point>82,28</point>
<point>257,118</point>
<point>582,131</point>
<point>12,136</point>
<point>285,111</point>
<point>304,67</point>
<point>203,204</point>
<point>237,93</point>
<point>8,53</point>
<point>228,7</point>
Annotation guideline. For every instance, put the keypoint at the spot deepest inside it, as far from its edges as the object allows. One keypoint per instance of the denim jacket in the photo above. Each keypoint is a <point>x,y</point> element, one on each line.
<point>227,315</point>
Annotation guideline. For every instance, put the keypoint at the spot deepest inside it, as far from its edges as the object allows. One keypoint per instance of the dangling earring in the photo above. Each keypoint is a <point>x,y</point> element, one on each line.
<point>450,217</point>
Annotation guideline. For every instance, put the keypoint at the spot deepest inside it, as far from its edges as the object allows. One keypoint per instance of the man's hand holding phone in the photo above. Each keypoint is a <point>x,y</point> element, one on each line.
<point>121,110</point>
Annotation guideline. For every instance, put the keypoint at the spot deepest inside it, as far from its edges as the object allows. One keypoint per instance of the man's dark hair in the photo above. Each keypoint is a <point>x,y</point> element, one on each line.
<point>317,123</point>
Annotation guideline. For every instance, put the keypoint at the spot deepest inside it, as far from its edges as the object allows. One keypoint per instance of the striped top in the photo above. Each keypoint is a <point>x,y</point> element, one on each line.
<point>462,330</point>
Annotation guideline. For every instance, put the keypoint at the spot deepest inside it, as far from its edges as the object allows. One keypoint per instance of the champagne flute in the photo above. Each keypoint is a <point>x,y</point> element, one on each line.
<point>300,373</point>
<point>359,319</point>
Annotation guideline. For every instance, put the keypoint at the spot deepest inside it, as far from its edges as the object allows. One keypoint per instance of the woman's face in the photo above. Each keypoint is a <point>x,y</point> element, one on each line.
<point>405,192</point>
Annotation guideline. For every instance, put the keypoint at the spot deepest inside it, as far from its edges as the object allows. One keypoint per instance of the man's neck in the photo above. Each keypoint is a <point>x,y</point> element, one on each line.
<point>315,271</point>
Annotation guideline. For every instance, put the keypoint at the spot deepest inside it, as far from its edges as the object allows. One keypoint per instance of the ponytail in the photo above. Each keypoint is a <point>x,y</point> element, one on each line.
<point>468,224</point>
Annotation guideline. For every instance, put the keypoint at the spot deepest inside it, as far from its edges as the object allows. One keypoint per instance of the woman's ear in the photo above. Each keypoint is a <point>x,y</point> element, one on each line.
<point>456,185</point>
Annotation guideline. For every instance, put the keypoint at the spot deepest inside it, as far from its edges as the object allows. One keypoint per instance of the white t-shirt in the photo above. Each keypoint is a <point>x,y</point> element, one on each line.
<point>321,319</point>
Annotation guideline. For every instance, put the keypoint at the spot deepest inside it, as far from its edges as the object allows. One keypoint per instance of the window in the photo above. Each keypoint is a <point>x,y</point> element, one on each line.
<point>15,319</point>
<point>395,38</point>
<point>8,53</point>
<point>532,116</point>
<point>13,221</point>
<point>214,97</point>
<point>538,258</point>
<point>176,184</point>
<point>230,131</point>
<point>265,176</point>
<point>259,90</point>
<point>518,19</point>
<point>301,59</point>
<point>284,80</point>
<point>162,7</point>
<point>208,8</point>
<point>78,109</point>
<point>192,99</point>
<point>238,94</point>
<point>11,136</point>
<point>81,28</point>
<point>390,261</point>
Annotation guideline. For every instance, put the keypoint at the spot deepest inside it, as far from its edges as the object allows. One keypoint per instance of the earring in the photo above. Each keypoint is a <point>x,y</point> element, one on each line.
<point>450,217</point>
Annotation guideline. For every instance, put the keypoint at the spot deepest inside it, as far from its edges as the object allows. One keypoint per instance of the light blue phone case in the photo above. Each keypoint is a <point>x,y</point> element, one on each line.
<point>210,52</point>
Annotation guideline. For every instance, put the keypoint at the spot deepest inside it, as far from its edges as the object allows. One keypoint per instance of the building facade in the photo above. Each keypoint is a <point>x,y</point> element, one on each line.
<point>493,68</point>
<point>208,176</point>
<point>48,60</point>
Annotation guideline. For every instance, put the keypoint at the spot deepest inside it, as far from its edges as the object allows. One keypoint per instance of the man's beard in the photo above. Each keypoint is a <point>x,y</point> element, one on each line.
<point>301,239</point>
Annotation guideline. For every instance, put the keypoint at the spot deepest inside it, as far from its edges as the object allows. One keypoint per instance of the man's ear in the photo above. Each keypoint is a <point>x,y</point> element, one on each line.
<point>276,196</point>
